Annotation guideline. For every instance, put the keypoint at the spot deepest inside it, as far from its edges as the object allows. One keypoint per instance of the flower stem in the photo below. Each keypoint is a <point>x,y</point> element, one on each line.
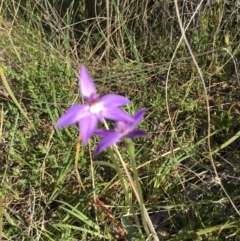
<point>76,164</point>
<point>131,150</point>
<point>148,220</point>
<point>126,193</point>
<point>119,172</point>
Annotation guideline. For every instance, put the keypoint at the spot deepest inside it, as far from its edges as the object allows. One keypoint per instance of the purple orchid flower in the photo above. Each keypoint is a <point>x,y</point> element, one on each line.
<point>121,129</point>
<point>95,110</point>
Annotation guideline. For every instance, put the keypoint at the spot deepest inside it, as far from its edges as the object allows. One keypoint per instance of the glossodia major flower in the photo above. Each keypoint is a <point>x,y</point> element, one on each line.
<point>96,109</point>
<point>121,129</point>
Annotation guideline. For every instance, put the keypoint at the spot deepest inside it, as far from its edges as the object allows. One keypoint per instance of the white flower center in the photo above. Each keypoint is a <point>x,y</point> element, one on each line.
<point>96,108</point>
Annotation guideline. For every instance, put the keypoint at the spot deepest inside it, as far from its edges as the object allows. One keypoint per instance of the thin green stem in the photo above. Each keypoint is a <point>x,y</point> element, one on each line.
<point>76,164</point>
<point>131,151</point>
<point>1,217</point>
<point>148,220</point>
<point>119,172</point>
<point>121,178</point>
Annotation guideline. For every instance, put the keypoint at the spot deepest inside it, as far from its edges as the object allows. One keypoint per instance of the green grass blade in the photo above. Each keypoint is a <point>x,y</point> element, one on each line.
<point>1,216</point>
<point>9,90</point>
<point>76,213</point>
<point>227,143</point>
<point>60,225</point>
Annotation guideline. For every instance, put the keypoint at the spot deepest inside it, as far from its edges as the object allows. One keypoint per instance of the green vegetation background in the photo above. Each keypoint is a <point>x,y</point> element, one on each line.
<point>127,47</point>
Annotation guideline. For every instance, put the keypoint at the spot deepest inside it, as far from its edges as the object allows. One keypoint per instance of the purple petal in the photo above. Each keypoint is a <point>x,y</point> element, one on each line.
<point>87,87</point>
<point>87,126</point>
<point>117,114</point>
<point>100,116</point>
<point>137,118</point>
<point>108,140</point>
<point>110,101</point>
<point>136,133</point>
<point>72,115</point>
<point>102,133</point>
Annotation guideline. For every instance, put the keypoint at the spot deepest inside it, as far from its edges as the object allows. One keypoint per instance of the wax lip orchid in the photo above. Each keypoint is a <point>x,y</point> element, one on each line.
<point>96,109</point>
<point>121,129</point>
